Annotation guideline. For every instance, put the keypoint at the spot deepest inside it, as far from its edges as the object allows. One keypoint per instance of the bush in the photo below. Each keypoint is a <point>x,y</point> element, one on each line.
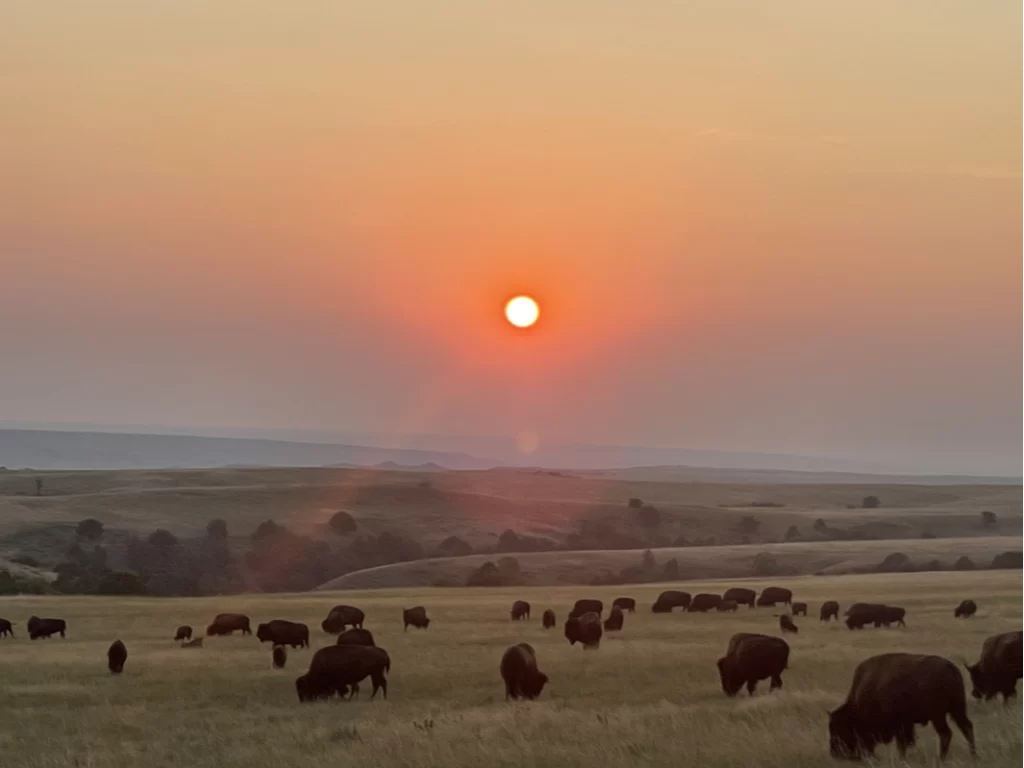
<point>820,526</point>
<point>793,533</point>
<point>162,539</point>
<point>487,575</point>
<point>897,562</point>
<point>89,529</point>
<point>342,522</point>
<point>870,502</point>
<point>765,564</point>
<point>453,546</point>
<point>268,529</point>
<point>508,541</point>
<point>120,583</point>
<point>670,571</point>
<point>648,562</point>
<point>749,525</point>
<point>1008,560</point>
<point>964,564</point>
<point>635,503</point>
<point>988,518</point>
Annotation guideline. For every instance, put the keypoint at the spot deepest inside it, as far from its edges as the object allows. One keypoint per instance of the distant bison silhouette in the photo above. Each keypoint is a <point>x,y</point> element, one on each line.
<point>415,617</point>
<point>799,609</point>
<point>750,658</point>
<point>772,595</point>
<point>520,610</point>
<point>670,599</point>
<point>726,606</point>
<point>585,605</point>
<point>279,656</point>
<point>337,669</point>
<point>44,628</point>
<point>184,632</point>
<point>341,616</point>
<point>786,624</point>
<point>999,668</point>
<point>117,655</point>
<point>614,621</point>
<point>356,637</point>
<point>829,610</point>
<point>585,629</point>
<point>519,671</point>
<point>889,695</point>
<point>741,595</point>
<point>627,604</point>
<point>6,628</point>
<point>704,602</point>
<point>965,610</point>
<point>228,623</point>
<point>281,632</point>
<point>548,619</point>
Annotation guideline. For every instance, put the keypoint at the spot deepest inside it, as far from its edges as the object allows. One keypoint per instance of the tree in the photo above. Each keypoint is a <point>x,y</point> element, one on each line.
<point>217,529</point>
<point>749,525</point>
<point>508,541</point>
<point>649,563</point>
<point>765,564</point>
<point>39,486</point>
<point>870,502</point>
<point>635,503</point>
<point>162,540</point>
<point>964,563</point>
<point>268,529</point>
<point>89,529</point>
<point>120,583</point>
<point>988,518</point>
<point>508,567</point>
<point>820,526</point>
<point>342,522</point>
<point>453,546</point>
<point>793,533</point>
<point>670,570</point>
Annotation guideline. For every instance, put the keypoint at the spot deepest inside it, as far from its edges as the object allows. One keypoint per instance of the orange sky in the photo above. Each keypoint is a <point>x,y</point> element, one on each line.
<point>787,226</point>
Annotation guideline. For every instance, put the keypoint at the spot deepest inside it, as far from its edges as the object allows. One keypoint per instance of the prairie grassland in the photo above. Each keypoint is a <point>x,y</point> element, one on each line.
<point>648,697</point>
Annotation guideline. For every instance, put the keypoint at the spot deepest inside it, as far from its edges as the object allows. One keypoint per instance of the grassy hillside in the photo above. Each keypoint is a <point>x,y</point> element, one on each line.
<point>649,696</point>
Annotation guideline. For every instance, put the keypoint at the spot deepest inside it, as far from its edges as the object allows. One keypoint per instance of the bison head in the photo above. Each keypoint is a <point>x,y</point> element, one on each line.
<point>731,680</point>
<point>572,631</point>
<point>534,684</point>
<point>262,633</point>
<point>842,735</point>
<point>979,682</point>
<point>304,687</point>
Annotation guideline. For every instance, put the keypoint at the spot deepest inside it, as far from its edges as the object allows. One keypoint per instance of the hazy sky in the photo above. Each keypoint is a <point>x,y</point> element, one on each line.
<point>775,226</point>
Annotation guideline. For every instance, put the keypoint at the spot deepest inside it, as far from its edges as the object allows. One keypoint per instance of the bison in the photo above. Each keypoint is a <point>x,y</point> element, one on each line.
<point>520,610</point>
<point>519,671</point>
<point>338,668</point>
<point>965,610</point>
<point>356,637</point>
<point>44,628</point>
<point>750,658</point>
<point>829,610</point>
<point>741,595</point>
<point>893,692</point>
<point>415,617</point>
<point>6,628</point>
<point>627,604</point>
<point>585,629</point>
<point>281,632</point>
<point>614,621</point>
<point>184,632</point>
<point>548,619</point>
<point>859,615</point>
<point>799,609</point>
<point>279,656</point>
<point>117,655</point>
<point>999,668</point>
<point>726,606</point>
<point>228,623</point>
<point>585,605</point>
<point>670,599</point>
<point>772,595</point>
<point>704,602</point>
<point>342,616</point>
<point>786,624</point>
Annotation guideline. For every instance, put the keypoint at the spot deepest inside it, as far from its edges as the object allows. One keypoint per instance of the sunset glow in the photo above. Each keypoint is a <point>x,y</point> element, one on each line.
<point>522,311</point>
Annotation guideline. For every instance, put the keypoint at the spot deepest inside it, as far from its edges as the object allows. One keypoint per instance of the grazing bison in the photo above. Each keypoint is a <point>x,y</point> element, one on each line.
<point>117,655</point>
<point>861,614</point>
<point>548,619</point>
<point>614,621</point>
<point>6,628</point>
<point>704,602</point>
<point>519,671</point>
<point>585,629</point>
<point>829,610</point>
<point>356,637</point>
<point>338,668</point>
<point>891,614</point>
<point>342,616</point>
<point>627,604</point>
<point>184,632</point>
<point>741,595</point>
<point>670,599</point>
<point>799,609</point>
<point>965,610</point>
<point>279,656</point>
<point>415,617</point>
<point>726,606</point>
<point>281,632</point>
<point>520,610</point>
<point>750,658</point>
<point>44,628</point>
<point>772,595</point>
<point>893,692</point>
<point>227,623</point>
<point>786,624</point>
<point>583,606</point>
<point>196,643</point>
<point>999,668</point>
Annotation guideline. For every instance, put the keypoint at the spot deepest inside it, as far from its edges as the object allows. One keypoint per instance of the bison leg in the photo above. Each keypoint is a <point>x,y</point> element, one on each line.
<point>379,681</point>
<point>776,683</point>
<point>904,737</point>
<point>751,687</point>
<point>945,734</point>
<point>966,727</point>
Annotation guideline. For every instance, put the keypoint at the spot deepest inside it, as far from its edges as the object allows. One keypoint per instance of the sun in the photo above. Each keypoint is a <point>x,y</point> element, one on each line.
<point>522,311</point>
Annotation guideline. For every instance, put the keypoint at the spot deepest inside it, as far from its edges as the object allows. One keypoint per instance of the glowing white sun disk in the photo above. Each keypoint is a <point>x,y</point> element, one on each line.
<point>522,311</point>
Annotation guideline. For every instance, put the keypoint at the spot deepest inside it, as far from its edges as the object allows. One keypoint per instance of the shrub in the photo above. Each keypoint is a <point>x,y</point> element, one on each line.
<point>1008,560</point>
<point>268,529</point>
<point>342,522</point>
<point>765,564</point>
<point>964,564</point>
<point>635,503</point>
<point>508,541</point>
<point>670,571</point>
<point>120,583</point>
<point>162,539</point>
<point>870,502</point>
<point>648,562</point>
<point>453,546</point>
<point>988,518</point>
<point>89,529</point>
<point>820,525</point>
<point>897,562</point>
<point>793,533</point>
<point>749,525</point>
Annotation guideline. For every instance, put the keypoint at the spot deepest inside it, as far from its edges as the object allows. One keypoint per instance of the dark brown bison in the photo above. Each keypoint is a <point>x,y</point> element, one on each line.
<point>614,621</point>
<point>279,656</point>
<point>786,624</point>
<point>342,616</point>
<point>337,669</point>
<point>548,619</point>
<point>891,615</point>
<point>585,605</point>
<point>741,595</point>
<point>965,610</point>
<point>415,617</point>
<point>356,637</point>
<point>117,655</point>
<point>520,610</point>
<point>519,671</point>
<point>627,604</point>
<point>6,628</point>
<point>860,615</point>
<point>893,692</point>
<point>585,629</point>
<point>704,602</point>
<point>227,623</point>
<point>281,632</point>
<point>999,668</point>
<point>726,606</point>
<point>799,609</point>
<point>829,610</point>
<point>750,658</point>
<point>44,628</point>
<point>184,632</point>
<point>773,595</point>
<point>670,599</point>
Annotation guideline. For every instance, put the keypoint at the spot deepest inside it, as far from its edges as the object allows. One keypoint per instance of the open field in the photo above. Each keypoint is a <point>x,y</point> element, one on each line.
<point>648,697</point>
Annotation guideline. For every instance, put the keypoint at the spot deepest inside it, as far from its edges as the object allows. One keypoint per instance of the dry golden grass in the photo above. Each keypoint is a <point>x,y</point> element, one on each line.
<point>649,696</point>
